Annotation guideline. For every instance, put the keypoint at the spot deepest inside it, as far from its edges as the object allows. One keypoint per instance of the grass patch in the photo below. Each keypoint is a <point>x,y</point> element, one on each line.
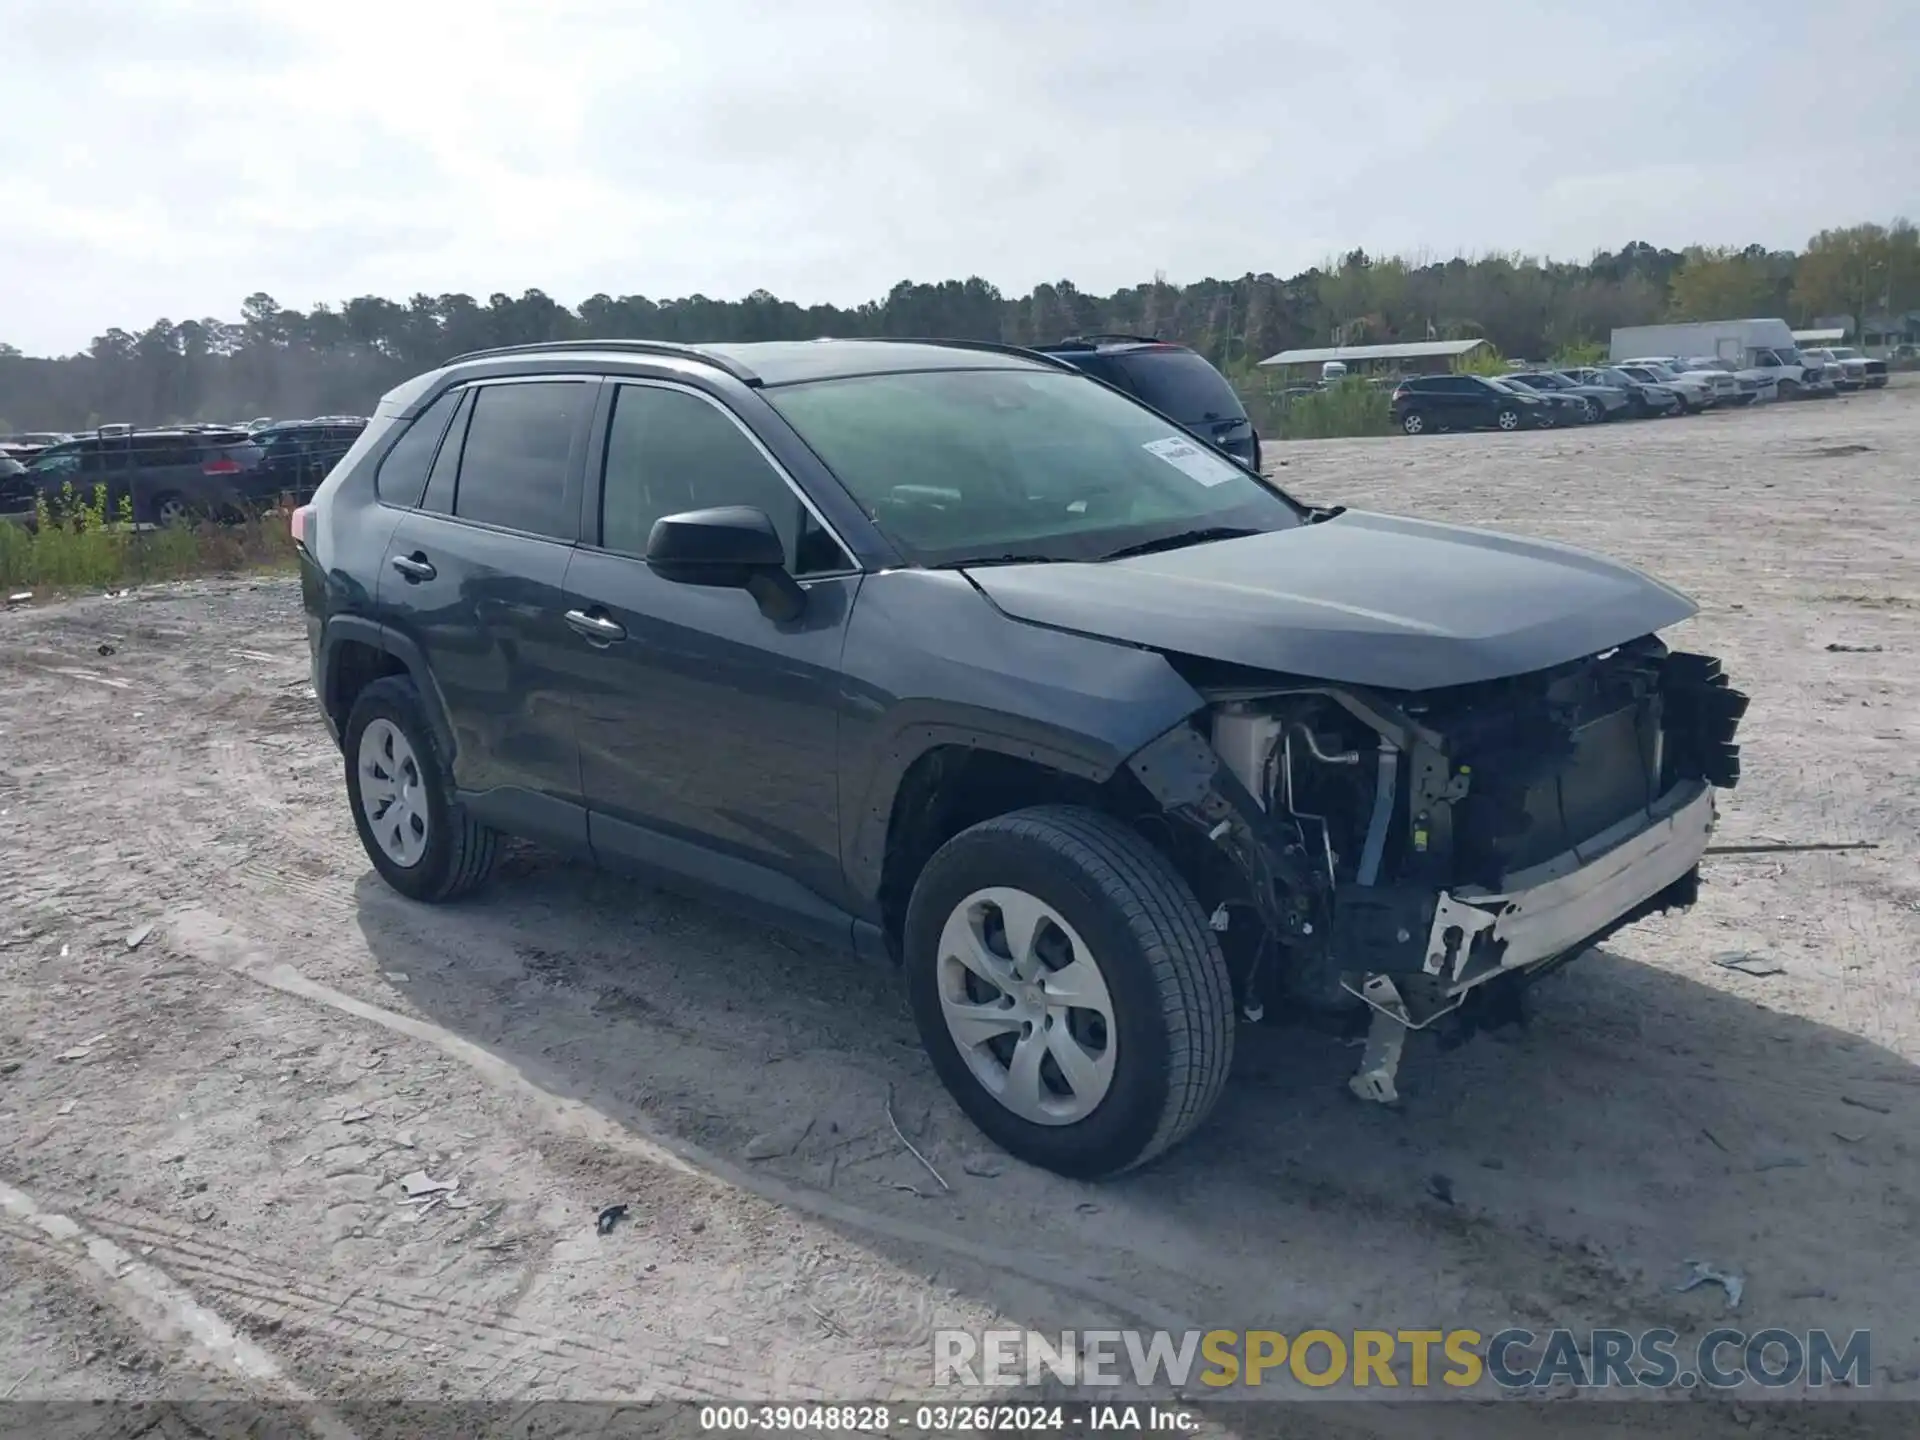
<point>1347,407</point>
<point>76,544</point>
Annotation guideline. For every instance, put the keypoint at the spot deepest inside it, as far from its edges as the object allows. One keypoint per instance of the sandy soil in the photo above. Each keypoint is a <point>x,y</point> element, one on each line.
<point>225,1111</point>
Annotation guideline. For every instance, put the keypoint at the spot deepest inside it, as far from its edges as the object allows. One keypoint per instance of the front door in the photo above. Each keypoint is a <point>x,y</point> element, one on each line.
<point>708,732</point>
<point>476,577</point>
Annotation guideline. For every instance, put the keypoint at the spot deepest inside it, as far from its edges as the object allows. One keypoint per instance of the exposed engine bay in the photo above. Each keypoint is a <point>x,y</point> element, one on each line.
<point>1416,847</point>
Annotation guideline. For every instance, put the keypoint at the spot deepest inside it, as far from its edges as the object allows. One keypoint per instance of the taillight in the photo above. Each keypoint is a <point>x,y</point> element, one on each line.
<point>222,465</point>
<point>1401,393</point>
<point>301,524</point>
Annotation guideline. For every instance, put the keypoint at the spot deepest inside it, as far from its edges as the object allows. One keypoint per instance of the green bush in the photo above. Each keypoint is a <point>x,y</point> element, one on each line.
<point>1352,406</point>
<point>75,544</point>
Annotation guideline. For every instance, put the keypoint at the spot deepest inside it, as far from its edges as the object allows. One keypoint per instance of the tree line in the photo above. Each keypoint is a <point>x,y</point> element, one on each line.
<point>335,359</point>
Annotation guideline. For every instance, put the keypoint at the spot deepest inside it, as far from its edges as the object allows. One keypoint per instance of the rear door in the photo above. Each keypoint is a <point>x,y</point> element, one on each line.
<point>708,732</point>
<point>475,578</point>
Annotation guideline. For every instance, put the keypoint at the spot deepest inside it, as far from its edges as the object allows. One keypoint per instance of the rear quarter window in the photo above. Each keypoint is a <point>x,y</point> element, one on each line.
<point>403,471</point>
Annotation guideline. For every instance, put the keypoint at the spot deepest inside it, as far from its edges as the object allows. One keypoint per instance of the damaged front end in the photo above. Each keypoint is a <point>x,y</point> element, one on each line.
<point>1405,852</point>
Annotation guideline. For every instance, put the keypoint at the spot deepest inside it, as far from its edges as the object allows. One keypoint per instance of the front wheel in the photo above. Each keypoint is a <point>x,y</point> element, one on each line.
<point>1595,414</point>
<point>1789,390</point>
<point>1068,989</point>
<point>1508,419</point>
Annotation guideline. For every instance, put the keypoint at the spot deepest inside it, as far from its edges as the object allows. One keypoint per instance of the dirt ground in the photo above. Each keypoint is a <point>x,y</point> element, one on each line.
<point>225,1046</point>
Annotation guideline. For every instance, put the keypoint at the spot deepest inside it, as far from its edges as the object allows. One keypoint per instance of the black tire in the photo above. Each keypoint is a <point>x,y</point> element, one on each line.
<point>459,851</point>
<point>1509,419</point>
<point>1414,423</point>
<point>172,509</point>
<point>1171,995</point>
<point>1595,411</point>
<point>1789,390</point>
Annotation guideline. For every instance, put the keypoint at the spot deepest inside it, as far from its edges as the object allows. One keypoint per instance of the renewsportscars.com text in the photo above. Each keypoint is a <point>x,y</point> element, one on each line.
<point>1514,1359</point>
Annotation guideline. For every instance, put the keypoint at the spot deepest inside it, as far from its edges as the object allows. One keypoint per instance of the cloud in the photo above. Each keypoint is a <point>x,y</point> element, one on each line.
<point>173,156</point>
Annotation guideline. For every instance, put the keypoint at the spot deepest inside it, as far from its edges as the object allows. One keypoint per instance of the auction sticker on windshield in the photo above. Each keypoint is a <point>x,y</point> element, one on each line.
<point>1191,460</point>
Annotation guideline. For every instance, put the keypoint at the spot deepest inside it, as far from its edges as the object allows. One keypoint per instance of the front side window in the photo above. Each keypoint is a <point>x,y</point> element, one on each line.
<point>669,451</point>
<point>513,467</point>
<point>403,473</point>
<point>961,466</point>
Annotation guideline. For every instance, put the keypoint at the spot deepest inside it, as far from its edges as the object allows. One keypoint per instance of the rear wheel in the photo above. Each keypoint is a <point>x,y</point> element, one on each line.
<point>1414,423</point>
<point>417,835</point>
<point>1068,989</point>
<point>172,509</point>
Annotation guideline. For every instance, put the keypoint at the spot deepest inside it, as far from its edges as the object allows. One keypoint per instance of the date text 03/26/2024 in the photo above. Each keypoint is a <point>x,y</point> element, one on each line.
<point>981,1419</point>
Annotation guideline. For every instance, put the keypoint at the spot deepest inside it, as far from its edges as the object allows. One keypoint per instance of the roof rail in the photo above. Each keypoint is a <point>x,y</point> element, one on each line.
<point>991,347</point>
<point>639,347</point>
<point>1098,336</point>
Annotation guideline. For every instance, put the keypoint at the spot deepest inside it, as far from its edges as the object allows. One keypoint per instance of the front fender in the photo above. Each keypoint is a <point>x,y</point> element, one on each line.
<point>929,662</point>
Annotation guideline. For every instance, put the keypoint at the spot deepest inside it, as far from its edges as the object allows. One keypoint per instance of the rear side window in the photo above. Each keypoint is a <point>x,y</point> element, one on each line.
<point>513,467</point>
<point>403,474</point>
<point>1180,384</point>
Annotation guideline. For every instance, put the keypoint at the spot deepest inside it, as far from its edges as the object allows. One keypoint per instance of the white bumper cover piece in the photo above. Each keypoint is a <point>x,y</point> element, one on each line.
<point>1545,911</point>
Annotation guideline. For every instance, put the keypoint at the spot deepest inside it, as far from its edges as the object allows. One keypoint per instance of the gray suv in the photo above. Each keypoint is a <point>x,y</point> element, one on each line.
<point>947,653</point>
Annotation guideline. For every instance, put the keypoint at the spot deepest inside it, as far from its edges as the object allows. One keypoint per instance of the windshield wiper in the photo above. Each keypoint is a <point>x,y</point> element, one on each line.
<point>1183,539</point>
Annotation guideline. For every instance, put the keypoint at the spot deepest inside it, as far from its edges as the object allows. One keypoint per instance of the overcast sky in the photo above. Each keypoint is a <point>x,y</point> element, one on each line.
<point>170,157</point>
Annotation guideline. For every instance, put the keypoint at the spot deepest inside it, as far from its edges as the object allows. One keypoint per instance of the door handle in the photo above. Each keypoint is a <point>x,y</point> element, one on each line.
<point>597,628</point>
<point>416,567</point>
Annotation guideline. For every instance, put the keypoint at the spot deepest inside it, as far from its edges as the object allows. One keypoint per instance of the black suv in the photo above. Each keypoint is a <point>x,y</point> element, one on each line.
<point>295,455</point>
<point>1172,379</point>
<point>947,653</point>
<point>1426,403</point>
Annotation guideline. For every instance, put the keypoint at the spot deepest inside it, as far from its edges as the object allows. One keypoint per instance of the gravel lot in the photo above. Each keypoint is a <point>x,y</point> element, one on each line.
<point>233,1101</point>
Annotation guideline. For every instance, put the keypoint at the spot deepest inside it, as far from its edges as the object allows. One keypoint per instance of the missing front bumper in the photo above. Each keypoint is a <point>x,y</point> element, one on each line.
<point>1542,913</point>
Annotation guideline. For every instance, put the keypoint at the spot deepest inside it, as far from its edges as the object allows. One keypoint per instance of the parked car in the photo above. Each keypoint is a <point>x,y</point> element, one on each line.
<point>24,445</point>
<point>1873,372</point>
<point>1176,381</point>
<point>295,455</point>
<point>1560,409</point>
<point>1720,382</point>
<point>1687,393</point>
<point>1748,387</point>
<point>170,476</point>
<point>16,493</point>
<point>1597,402</point>
<point>1852,370</point>
<point>1842,377</point>
<point>1423,403</point>
<point>947,653</point>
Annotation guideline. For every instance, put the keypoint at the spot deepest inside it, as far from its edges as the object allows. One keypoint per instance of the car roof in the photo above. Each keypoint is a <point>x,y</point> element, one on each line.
<point>785,362</point>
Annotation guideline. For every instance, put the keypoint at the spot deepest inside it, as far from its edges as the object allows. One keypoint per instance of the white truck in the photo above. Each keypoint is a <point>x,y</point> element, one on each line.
<point>1760,350</point>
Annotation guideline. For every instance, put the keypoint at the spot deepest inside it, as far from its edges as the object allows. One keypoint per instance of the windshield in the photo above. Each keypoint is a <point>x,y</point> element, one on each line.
<point>965,465</point>
<point>1182,384</point>
<point>1844,352</point>
<point>1638,374</point>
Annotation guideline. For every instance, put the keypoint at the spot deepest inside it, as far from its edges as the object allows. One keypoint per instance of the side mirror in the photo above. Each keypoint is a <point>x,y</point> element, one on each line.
<point>732,547</point>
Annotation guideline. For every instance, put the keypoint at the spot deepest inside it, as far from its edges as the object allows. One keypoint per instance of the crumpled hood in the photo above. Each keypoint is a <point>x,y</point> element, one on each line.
<point>1362,599</point>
